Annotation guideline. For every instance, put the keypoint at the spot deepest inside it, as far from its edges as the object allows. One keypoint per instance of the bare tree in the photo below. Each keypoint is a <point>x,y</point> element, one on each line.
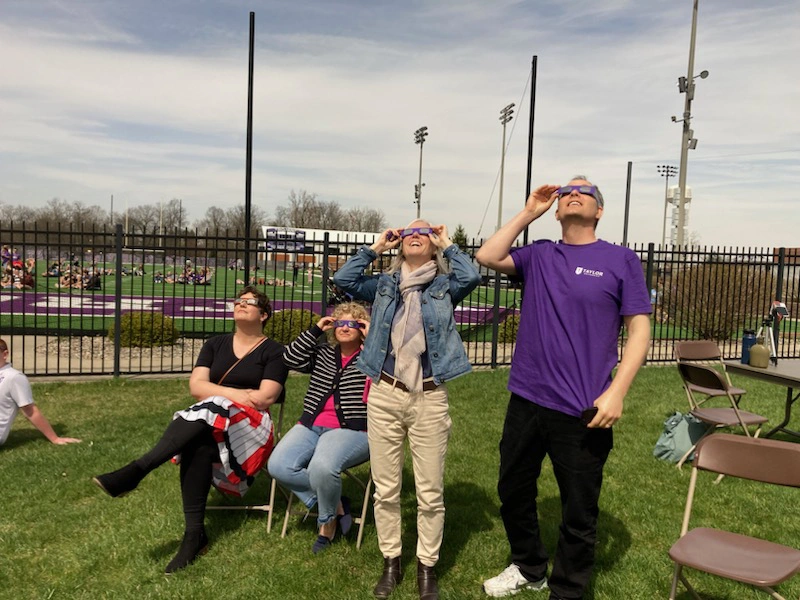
<point>56,211</point>
<point>213,221</point>
<point>143,218</point>
<point>359,218</point>
<point>306,211</point>
<point>235,219</point>
<point>302,210</point>
<point>173,214</point>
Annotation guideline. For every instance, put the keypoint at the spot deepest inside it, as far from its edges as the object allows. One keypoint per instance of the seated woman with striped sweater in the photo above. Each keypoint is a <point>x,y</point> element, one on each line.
<point>331,435</point>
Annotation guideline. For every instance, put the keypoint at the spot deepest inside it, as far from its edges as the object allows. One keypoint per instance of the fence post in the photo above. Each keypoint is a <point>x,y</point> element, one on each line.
<point>776,328</point>
<point>495,318</point>
<point>325,272</point>
<point>649,278</point>
<point>117,297</point>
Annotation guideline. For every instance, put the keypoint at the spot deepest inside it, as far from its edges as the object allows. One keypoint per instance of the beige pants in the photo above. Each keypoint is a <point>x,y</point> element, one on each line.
<point>393,415</point>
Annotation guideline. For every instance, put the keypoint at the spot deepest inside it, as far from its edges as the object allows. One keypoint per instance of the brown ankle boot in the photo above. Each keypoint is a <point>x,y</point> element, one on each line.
<point>426,582</point>
<point>389,579</point>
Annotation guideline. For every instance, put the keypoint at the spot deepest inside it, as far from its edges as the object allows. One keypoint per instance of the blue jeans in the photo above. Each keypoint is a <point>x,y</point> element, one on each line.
<point>310,463</point>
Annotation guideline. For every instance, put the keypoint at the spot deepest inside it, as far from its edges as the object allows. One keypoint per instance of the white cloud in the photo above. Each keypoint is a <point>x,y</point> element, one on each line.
<point>96,103</point>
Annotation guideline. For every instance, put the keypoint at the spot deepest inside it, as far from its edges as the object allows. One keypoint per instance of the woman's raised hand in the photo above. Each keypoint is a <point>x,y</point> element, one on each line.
<point>439,237</point>
<point>364,327</point>
<point>325,323</point>
<point>388,240</point>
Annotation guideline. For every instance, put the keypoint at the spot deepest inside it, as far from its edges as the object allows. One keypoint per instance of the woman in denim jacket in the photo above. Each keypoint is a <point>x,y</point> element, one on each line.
<point>412,350</point>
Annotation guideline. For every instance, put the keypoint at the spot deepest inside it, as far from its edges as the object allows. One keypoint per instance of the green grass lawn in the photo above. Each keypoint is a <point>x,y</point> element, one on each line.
<point>62,538</point>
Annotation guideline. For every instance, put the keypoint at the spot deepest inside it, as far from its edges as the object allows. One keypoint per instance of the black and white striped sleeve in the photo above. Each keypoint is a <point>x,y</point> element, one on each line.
<point>299,355</point>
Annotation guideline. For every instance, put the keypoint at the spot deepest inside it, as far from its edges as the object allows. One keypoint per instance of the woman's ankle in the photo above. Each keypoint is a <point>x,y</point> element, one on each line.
<point>328,529</point>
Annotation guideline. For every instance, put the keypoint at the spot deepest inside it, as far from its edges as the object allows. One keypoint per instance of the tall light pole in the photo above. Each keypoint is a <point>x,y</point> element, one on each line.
<point>688,142</point>
<point>666,171</point>
<point>505,116</point>
<point>419,138</point>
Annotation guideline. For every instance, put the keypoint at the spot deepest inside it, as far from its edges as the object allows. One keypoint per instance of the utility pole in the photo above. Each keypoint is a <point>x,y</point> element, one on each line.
<point>419,138</point>
<point>688,142</point>
<point>505,116</point>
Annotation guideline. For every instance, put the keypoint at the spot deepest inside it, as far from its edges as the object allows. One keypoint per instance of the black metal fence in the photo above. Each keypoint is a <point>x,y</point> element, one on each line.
<point>65,291</point>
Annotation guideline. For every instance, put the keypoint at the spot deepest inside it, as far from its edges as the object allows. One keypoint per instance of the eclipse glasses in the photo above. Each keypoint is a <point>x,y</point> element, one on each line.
<point>589,190</point>
<point>245,302</point>
<point>404,233</point>
<point>350,324</point>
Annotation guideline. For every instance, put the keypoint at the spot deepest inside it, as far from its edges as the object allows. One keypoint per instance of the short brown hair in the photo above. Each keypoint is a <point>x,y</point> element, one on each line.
<point>3,345</point>
<point>263,299</point>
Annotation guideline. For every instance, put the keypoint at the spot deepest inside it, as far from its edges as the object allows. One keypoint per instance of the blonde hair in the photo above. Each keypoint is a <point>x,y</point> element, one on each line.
<point>442,266</point>
<point>354,309</point>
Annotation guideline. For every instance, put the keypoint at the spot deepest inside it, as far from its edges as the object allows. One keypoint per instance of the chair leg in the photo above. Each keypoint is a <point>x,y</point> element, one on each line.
<point>685,457</point>
<point>674,589</point>
<point>364,508</point>
<point>689,587</point>
<point>771,592</point>
<point>272,491</point>
<point>288,514</point>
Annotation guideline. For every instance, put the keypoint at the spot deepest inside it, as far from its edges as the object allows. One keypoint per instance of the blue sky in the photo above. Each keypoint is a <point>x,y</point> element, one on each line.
<point>147,101</point>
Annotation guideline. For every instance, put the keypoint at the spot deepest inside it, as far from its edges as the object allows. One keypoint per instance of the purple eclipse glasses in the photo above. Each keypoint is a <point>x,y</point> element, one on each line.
<point>404,233</point>
<point>350,324</point>
<point>589,190</point>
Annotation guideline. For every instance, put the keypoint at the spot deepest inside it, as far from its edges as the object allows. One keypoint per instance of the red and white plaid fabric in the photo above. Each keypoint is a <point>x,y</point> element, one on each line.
<point>245,438</point>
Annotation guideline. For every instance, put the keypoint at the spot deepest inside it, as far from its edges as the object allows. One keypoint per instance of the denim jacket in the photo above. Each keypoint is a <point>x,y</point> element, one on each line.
<point>445,348</point>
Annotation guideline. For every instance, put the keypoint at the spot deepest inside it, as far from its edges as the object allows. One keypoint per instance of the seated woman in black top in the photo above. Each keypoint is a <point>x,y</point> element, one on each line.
<point>332,433</point>
<point>227,436</point>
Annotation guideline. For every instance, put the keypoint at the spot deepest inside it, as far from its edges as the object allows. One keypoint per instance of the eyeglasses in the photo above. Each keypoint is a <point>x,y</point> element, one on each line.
<point>245,302</point>
<point>350,324</point>
<point>404,233</point>
<point>589,190</point>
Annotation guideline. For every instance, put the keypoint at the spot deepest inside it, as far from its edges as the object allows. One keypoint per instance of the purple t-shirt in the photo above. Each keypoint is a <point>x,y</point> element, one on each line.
<point>573,303</point>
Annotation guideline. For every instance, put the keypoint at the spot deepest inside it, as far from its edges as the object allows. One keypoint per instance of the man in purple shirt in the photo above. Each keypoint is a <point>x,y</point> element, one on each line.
<point>578,293</point>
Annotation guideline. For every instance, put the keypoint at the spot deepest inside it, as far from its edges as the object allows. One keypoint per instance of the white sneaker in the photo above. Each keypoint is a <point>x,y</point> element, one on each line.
<point>510,582</point>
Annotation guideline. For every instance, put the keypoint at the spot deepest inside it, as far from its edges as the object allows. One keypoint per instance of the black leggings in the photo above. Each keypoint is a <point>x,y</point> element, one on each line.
<point>198,450</point>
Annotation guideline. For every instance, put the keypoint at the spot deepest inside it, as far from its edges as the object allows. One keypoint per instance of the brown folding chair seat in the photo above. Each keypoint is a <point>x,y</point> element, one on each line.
<point>364,483</point>
<point>701,379</point>
<point>269,507</point>
<point>757,562</point>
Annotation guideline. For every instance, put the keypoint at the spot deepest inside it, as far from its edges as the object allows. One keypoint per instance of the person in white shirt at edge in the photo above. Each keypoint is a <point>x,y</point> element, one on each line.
<point>16,395</point>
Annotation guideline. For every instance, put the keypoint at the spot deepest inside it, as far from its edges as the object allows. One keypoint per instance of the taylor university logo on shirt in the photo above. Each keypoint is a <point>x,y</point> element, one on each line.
<point>589,272</point>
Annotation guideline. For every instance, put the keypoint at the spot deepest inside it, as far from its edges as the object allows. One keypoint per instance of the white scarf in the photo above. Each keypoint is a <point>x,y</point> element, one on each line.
<point>408,335</point>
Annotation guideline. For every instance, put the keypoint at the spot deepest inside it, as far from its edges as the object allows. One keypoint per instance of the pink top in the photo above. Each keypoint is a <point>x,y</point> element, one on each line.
<point>327,417</point>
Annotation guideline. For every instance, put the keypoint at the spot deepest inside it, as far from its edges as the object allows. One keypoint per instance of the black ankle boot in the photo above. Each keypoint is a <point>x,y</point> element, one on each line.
<point>120,482</point>
<point>389,579</point>
<point>194,544</point>
<point>426,582</point>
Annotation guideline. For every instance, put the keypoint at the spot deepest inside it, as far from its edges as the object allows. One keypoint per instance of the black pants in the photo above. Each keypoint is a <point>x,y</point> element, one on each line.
<point>578,455</point>
<point>198,450</point>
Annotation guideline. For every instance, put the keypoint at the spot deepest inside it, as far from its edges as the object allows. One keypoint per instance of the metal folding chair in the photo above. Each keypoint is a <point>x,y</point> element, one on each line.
<point>727,554</point>
<point>364,483</point>
<point>706,352</point>
<point>700,379</point>
<point>269,507</point>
